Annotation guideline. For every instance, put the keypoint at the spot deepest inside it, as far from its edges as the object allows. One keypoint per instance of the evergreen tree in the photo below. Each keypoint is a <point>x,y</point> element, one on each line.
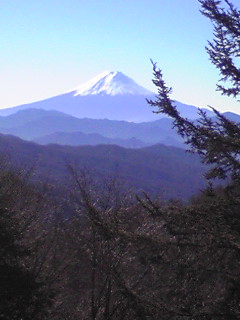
<point>217,141</point>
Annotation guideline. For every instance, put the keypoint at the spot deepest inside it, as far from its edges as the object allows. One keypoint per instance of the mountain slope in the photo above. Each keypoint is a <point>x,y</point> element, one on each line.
<point>165,171</point>
<point>21,118</point>
<point>111,96</point>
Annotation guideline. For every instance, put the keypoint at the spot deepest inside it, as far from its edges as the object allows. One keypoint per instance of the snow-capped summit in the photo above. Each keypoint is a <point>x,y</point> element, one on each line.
<point>111,83</point>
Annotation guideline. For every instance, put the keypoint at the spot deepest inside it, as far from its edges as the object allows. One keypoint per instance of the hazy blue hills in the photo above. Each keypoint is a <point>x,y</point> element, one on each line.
<point>166,171</point>
<point>32,124</point>
<point>79,138</point>
<point>53,126</point>
<point>20,118</point>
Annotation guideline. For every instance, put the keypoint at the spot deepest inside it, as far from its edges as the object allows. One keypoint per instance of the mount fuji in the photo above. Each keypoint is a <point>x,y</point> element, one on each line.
<point>110,95</point>
<point>111,83</point>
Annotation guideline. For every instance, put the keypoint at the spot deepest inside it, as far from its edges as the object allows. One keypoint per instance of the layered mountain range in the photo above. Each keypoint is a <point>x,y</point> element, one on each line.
<point>55,127</point>
<point>46,127</point>
<point>157,170</point>
<point>87,122</point>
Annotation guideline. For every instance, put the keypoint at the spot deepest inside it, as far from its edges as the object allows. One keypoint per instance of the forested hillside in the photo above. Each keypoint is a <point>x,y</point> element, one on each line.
<point>158,170</point>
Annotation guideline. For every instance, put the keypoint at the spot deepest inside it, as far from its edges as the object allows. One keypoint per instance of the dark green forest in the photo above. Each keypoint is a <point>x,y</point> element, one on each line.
<point>90,248</point>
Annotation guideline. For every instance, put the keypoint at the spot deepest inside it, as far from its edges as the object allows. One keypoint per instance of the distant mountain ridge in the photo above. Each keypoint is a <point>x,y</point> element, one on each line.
<point>92,139</point>
<point>158,170</point>
<point>34,124</point>
<point>55,127</point>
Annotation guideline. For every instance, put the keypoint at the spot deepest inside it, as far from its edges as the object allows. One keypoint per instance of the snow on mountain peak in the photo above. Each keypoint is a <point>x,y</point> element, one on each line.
<point>111,83</point>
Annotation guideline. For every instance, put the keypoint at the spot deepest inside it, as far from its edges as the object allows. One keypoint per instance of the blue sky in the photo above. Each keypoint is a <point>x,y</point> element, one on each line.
<point>50,46</point>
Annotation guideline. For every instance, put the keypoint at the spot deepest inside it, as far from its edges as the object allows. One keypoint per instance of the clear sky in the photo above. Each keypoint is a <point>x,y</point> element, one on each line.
<point>51,46</point>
